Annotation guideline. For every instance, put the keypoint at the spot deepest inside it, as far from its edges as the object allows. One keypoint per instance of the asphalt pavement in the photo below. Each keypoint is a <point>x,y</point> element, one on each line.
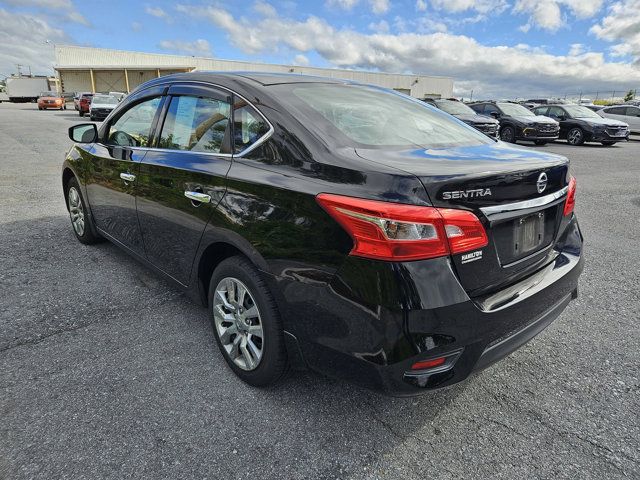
<point>107,371</point>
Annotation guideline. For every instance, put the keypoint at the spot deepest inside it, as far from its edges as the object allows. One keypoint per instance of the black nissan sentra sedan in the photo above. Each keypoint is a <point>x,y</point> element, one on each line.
<point>342,227</point>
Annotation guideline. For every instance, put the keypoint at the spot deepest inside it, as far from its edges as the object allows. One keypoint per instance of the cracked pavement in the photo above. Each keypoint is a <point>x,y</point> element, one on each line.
<point>109,372</point>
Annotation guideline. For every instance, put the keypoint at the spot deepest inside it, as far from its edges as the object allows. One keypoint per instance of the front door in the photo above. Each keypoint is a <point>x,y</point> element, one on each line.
<point>181,181</point>
<point>113,171</point>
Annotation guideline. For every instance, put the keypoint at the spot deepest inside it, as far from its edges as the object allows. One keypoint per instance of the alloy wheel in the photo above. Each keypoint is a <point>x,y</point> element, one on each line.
<point>238,323</point>
<point>574,136</point>
<point>76,211</point>
<point>507,134</point>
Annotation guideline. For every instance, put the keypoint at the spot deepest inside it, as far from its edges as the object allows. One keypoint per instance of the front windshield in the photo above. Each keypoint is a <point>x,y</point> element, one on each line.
<point>372,116</point>
<point>48,94</point>
<point>577,111</point>
<point>515,110</point>
<point>455,108</point>
<point>105,99</point>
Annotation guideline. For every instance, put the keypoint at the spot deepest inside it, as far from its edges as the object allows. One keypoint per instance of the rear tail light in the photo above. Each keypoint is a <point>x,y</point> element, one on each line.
<point>570,203</point>
<point>396,231</point>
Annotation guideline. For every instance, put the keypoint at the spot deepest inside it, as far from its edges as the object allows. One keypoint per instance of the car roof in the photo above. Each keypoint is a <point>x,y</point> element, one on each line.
<point>259,78</point>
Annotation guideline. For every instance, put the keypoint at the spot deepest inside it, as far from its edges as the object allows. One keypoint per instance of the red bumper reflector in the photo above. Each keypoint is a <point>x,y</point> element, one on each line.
<point>426,364</point>
<point>570,203</point>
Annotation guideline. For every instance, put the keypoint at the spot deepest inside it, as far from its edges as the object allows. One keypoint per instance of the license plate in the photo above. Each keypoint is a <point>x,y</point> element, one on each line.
<point>528,233</point>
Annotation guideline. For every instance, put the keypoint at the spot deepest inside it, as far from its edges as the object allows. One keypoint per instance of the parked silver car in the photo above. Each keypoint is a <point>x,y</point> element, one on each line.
<point>626,113</point>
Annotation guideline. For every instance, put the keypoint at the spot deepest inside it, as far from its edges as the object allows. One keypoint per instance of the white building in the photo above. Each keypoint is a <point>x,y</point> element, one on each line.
<point>87,69</point>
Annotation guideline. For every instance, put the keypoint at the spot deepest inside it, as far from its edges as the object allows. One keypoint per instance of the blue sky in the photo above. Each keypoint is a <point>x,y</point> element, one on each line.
<point>492,46</point>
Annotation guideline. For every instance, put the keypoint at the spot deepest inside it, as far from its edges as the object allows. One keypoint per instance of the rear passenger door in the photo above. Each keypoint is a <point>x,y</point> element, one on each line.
<point>632,117</point>
<point>182,178</point>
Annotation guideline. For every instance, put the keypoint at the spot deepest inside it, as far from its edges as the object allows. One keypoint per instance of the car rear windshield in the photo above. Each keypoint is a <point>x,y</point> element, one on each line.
<point>375,117</point>
<point>455,108</point>
<point>515,110</point>
<point>105,99</point>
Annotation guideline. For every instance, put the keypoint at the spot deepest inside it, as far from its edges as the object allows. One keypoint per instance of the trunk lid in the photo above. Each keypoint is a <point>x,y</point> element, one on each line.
<point>505,187</point>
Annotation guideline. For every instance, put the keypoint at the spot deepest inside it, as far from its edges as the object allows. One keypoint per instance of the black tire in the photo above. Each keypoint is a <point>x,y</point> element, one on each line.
<point>81,113</point>
<point>85,235</point>
<point>541,142</point>
<point>273,364</point>
<point>508,134</point>
<point>608,144</point>
<point>575,136</point>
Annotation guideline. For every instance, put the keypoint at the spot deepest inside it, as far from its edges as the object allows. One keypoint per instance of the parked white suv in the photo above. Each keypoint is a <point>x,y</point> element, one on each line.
<point>627,113</point>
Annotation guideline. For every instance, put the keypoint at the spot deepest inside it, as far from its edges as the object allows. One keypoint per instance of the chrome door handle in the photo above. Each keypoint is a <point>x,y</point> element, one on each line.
<point>198,197</point>
<point>127,177</point>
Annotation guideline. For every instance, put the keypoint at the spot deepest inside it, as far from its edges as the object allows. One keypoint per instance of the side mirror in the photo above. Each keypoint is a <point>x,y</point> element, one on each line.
<point>84,133</point>
<point>495,114</point>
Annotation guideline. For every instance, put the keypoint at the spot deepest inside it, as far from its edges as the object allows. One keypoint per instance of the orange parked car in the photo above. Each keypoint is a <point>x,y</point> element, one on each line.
<point>51,100</point>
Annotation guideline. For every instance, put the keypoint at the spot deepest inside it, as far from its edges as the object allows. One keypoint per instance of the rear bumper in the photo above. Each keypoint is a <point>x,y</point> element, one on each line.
<point>374,320</point>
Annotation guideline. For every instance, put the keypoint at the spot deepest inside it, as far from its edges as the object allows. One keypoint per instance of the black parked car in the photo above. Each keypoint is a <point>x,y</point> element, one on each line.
<point>579,124</point>
<point>519,123</point>
<point>332,225</point>
<point>487,125</point>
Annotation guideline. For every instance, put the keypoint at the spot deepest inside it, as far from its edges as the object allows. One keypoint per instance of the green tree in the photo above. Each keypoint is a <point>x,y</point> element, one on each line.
<point>629,96</point>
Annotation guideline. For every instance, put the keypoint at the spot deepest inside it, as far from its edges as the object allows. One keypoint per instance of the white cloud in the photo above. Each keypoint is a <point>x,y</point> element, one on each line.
<point>77,17</point>
<point>300,60</point>
<point>428,25</point>
<point>576,49</point>
<point>379,27</point>
<point>621,25</point>
<point>546,15</point>
<point>501,70</point>
<point>482,6</point>
<point>421,5</point>
<point>197,47</point>
<point>23,39</point>
<point>64,7</point>
<point>342,4</point>
<point>49,4</point>
<point>549,14</point>
<point>379,6</point>
<point>265,9</point>
<point>157,12</point>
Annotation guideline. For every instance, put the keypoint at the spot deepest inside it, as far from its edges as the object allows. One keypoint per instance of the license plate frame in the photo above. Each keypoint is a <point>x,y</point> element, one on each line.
<point>528,233</point>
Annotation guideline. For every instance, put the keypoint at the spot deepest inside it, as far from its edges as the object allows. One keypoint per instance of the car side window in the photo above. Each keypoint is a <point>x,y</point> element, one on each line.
<point>541,111</point>
<point>133,127</point>
<point>490,109</point>
<point>556,112</point>
<point>196,124</point>
<point>248,126</point>
<point>633,112</point>
<point>615,110</point>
